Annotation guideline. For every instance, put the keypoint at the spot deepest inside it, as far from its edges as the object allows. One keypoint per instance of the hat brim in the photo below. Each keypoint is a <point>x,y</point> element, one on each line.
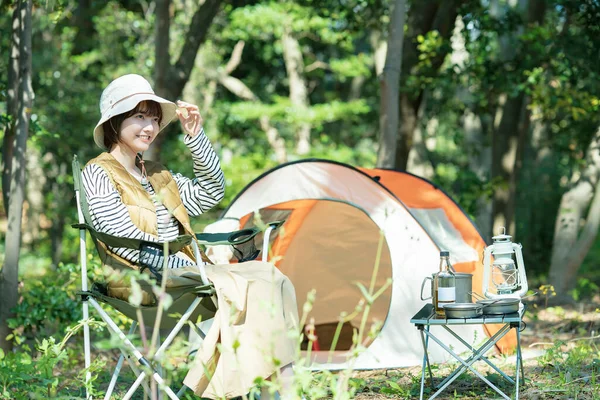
<point>168,113</point>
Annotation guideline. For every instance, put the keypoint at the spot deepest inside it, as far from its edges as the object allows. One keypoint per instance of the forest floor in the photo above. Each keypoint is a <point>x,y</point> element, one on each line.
<point>561,359</point>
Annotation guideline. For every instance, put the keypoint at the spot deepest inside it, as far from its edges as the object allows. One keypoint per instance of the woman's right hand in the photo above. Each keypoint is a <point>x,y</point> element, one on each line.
<point>190,118</point>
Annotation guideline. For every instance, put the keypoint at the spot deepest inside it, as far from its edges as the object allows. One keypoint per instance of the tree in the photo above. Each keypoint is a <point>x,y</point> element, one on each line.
<point>430,21</point>
<point>390,83</point>
<point>510,136</point>
<point>10,269</point>
<point>572,244</point>
<point>306,50</point>
<point>239,88</point>
<point>12,102</point>
<point>170,79</point>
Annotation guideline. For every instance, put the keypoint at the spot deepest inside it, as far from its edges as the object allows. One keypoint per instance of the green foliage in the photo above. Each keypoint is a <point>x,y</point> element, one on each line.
<point>35,374</point>
<point>47,305</point>
<point>580,363</point>
<point>352,66</point>
<point>268,19</point>
<point>585,289</point>
<point>283,111</point>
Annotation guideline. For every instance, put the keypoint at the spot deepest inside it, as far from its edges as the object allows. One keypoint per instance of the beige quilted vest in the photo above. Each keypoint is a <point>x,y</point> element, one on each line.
<point>142,212</point>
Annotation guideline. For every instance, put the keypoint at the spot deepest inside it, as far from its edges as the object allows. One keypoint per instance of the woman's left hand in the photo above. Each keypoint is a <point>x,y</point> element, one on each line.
<point>190,117</point>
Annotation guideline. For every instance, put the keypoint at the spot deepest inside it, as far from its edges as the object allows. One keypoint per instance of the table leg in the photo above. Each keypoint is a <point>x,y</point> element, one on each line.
<point>475,352</point>
<point>469,365</point>
<point>519,369</point>
<point>520,353</point>
<point>425,342</point>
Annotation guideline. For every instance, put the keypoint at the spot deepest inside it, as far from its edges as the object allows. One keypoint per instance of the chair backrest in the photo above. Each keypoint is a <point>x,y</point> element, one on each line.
<point>85,219</point>
<point>82,205</point>
<point>83,211</point>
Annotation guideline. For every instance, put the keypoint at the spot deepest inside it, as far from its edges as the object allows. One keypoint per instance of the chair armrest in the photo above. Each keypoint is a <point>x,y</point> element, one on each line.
<point>275,224</point>
<point>239,237</point>
<point>227,238</point>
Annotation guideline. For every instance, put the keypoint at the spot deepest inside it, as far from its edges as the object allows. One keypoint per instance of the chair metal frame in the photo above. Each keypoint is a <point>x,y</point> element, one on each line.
<point>127,349</point>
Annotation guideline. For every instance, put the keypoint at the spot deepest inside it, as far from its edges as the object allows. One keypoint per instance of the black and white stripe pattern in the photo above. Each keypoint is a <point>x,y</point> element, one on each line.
<point>110,215</point>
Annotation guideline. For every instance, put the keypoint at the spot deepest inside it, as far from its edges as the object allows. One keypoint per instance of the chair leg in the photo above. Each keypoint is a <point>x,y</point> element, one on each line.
<point>136,371</point>
<point>115,376</point>
<point>86,349</point>
<point>177,327</point>
<point>182,391</point>
<point>166,388</point>
<point>134,387</point>
<point>160,371</point>
<point>159,380</point>
<point>138,355</point>
<point>113,379</point>
<point>199,331</point>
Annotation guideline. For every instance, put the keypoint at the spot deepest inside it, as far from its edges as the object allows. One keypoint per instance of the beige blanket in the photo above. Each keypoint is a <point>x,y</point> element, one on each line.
<point>249,336</point>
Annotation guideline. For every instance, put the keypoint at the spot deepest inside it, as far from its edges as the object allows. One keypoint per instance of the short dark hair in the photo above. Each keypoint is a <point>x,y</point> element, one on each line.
<point>112,127</point>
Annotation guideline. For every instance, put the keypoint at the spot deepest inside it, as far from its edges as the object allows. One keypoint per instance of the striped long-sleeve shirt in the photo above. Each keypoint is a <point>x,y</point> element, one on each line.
<point>109,214</point>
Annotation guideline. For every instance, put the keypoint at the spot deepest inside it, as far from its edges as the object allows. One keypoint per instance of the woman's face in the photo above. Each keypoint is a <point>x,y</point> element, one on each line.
<point>138,131</point>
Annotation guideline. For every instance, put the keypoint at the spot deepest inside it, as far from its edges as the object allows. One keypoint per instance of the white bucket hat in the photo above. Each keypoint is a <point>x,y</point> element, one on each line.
<point>122,95</point>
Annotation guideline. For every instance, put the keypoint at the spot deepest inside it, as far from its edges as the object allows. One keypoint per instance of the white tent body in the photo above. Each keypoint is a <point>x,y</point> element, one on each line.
<point>413,253</point>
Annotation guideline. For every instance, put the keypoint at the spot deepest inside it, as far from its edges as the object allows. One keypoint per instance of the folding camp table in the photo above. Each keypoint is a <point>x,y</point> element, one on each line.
<point>426,318</point>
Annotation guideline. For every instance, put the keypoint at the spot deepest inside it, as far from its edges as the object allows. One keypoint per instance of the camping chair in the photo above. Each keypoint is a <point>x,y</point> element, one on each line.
<point>193,299</point>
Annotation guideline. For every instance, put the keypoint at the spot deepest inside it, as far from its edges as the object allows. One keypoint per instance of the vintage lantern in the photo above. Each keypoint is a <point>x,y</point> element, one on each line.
<point>508,278</point>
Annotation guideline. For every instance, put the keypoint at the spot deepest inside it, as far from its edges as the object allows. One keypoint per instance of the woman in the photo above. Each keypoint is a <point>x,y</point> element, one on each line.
<point>133,198</point>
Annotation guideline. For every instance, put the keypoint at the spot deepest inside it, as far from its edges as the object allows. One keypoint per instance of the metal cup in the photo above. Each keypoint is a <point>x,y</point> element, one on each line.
<point>464,287</point>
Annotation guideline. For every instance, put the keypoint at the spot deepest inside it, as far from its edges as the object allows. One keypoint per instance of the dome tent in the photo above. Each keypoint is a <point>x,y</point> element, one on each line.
<point>334,217</point>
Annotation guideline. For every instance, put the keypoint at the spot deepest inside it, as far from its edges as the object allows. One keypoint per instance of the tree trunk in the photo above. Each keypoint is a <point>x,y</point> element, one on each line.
<point>170,79</point>
<point>36,180</point>
<point>420,161</point>
<point>85,27</point>
<point>569,250</point>
<point>424,16</point>
<point>294,66</point>
<point>60,208</point>
<point>208,96</point>
<point>12,100</point>
<point>506,143</point>
<point>510,137</point>
<point>389,84</point>
<point>477,132</point>
<point>379,45</point>
<point>162,41</point>
<point>10,271</point>
<point>57,231</point>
